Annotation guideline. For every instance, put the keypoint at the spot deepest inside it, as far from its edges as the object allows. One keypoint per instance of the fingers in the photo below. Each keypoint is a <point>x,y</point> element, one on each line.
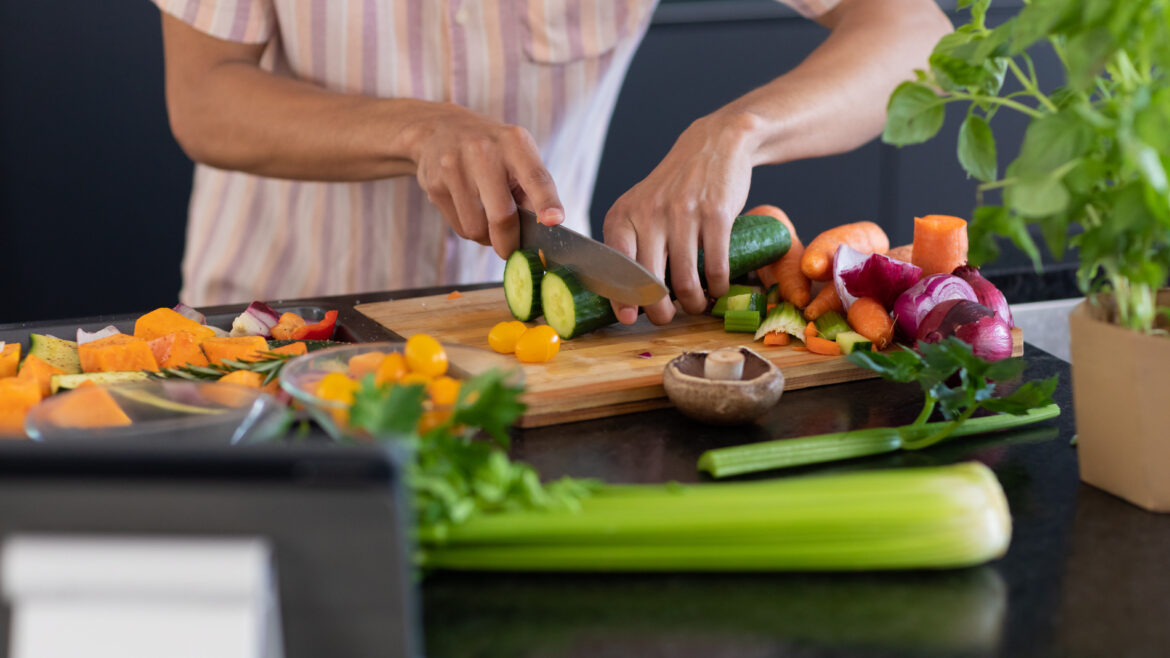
<point>716,234</point>
<point>524,164</point>
<point>683,242</point>
<point>499,206</point>
<point>620,234</point>
<point>650,251</point>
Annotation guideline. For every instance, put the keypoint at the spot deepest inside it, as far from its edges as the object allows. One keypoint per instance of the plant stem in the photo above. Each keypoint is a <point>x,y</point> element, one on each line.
<point>942,433</point>
<point>1030,85</point>
<point>995,100</point>
<point>823,448</point>
<point>927,409</point>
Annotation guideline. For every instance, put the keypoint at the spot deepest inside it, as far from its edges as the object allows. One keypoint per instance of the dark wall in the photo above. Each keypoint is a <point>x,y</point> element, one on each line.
<point>93,189</point>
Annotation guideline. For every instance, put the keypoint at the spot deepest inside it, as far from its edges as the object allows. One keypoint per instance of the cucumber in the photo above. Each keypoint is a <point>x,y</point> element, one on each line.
<point>851,341</point>
<point>68,382</point>
<point>755,241</point>
<point>740,302</point>
<point>56,352</point>
<point>830,325</point>
<point>735,289</point>
<point>569,308</point>
<point>522,277</point>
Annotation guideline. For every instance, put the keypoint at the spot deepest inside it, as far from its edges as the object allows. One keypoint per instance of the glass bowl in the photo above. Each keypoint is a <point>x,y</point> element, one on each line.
<point>300,376</point>
<point>164,410</point>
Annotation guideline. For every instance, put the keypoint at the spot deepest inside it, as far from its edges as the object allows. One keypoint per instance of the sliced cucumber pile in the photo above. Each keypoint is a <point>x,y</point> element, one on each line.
<point>522,277</point>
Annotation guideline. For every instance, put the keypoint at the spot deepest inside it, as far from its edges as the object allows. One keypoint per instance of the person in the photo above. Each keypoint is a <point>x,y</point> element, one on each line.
<point>345,146</point>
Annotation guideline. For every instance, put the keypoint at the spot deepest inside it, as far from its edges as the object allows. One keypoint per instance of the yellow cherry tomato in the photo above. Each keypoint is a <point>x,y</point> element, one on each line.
<point>425,355</point>
<point>337,387</point>
<point>538,344</point>
<point>413,378</point>
<point>391,369</point>
<point>504,335</point>
<point>444,391</point>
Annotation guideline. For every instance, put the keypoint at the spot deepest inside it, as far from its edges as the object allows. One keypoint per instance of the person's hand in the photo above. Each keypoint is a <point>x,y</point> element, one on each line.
<point>689,201</point>
<point>476,170</point>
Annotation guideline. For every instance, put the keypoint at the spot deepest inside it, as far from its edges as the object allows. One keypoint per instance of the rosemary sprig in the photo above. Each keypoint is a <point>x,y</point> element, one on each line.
<point>269,366</point>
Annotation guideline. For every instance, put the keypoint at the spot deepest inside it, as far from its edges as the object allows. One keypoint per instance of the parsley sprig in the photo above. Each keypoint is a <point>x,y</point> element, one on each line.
<point>459,468</point>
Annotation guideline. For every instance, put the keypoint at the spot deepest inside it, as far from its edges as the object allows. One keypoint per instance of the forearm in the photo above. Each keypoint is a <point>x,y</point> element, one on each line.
<point>835,100</point>
<point>239,117</point>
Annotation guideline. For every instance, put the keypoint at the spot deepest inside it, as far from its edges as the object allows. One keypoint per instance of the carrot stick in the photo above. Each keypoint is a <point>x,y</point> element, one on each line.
<point>869,318</point>
<point>799,348</point>
<point>776,338</point>
<point>455,294</point>
<point>940,243</point>
<point>866,237</point>
<point>767,273</point>
<point>822,346</point>
<point>904,253</point>
<point>826,300</point>
<point>810,329</point>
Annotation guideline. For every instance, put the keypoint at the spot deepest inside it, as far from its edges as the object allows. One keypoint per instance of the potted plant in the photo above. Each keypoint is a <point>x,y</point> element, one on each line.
<point>1092,173</point>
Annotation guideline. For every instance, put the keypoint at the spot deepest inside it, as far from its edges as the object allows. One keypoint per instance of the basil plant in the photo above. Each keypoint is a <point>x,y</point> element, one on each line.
<point>1091,171</point>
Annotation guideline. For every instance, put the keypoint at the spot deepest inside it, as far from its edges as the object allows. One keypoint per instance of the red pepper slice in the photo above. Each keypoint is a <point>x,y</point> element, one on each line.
<point>323,330</point>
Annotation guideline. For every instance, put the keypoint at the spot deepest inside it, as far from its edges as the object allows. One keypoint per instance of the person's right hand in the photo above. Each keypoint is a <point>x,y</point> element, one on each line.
<point>476,170</point>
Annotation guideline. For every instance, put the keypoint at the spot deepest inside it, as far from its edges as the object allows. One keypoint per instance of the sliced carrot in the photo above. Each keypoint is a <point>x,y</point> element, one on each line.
<point>543,263</point>
<point>455,294</point>
<point>810,329</point>
<point>869,318</point>
<point>770,307</point>
<point>940,243</point>
<point>777,338</point>
<point>826,300</point>
<point>822,346</point>
<point>800,348</point>
<point>904,253</point>
<point>866,237</point>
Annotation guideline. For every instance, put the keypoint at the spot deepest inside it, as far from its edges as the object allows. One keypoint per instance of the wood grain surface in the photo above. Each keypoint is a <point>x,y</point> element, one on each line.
<point>607,372</point>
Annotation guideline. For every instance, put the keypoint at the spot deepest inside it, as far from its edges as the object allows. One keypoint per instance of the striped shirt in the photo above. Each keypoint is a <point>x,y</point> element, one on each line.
<point>552,66</point>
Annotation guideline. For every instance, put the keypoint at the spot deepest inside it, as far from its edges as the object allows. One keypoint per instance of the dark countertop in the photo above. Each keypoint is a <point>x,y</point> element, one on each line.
<point>1086,575</point>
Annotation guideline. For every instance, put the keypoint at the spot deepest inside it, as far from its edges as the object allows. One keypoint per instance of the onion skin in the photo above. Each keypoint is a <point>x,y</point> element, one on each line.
<point>986,293</point>
<point>912,306</point>
<point>858,275</point>
<point>971,322</point>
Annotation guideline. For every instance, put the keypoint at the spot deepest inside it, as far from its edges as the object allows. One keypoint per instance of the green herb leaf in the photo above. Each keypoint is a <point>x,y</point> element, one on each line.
<point>1028,396</point>
<point>486,402</point>
<point>977,148</point>
<point>387,411</point>
<point>901,365</point>
<point>915,114</point>
<point>1037,197</point>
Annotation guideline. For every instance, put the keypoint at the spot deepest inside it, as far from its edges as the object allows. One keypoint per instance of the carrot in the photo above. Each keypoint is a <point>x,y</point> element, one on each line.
<point>903,253</point>
<point>822,346</point>
<point>826,300</point>
<point>810,329</point>
<point>866,237</point>
<point>767,273</point>
<point>799,348</point>
<point>940,243</point>
<point>776,338</point>
<point>869,318</point>
<point>455,294</point>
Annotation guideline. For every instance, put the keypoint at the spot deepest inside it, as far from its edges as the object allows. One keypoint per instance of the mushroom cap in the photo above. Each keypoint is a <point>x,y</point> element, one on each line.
<point>723,402</point>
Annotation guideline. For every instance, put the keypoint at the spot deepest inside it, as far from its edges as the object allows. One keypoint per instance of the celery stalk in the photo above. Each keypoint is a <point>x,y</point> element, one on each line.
<point>936,517</point>
<point>822,448</point>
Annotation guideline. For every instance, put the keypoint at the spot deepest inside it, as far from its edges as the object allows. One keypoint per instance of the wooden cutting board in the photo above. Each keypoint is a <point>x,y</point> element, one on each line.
<point>607,372</point>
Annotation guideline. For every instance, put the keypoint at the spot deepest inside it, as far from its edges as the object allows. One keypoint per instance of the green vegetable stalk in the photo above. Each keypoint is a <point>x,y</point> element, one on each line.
<point>954,381</point>
<point>1091,171</point>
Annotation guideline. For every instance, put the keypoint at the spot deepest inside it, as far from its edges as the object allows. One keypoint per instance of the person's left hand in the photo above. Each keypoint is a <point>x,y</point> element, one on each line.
<point>689,201</point>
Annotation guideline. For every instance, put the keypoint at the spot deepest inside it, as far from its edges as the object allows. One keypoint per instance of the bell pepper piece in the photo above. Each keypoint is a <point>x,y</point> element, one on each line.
<point>323,330</point>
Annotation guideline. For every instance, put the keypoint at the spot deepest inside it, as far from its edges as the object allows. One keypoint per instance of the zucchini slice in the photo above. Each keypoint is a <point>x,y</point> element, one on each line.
<point>55,351</point>
<point>522,276</point>
<point>569,308</point>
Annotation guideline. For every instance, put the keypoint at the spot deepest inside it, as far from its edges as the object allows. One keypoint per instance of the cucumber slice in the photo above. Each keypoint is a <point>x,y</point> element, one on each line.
<point>733,290</point>
<point>522,276</point>
<point>830,325</point>
<point>56,352</point>
<point>569,308</point>
<point>851,341</point>
<point>69,382</point>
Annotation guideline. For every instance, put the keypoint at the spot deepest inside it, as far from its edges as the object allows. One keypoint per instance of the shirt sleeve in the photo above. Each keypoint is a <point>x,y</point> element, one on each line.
<point>811,8</point>
<point>243,21</point>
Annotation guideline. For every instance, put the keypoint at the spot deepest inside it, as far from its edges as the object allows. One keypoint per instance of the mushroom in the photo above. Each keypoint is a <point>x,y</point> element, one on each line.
<point>723,401</point>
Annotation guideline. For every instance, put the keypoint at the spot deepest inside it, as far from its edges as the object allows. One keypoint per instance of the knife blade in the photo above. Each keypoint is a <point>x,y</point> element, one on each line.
<point>601,269</point>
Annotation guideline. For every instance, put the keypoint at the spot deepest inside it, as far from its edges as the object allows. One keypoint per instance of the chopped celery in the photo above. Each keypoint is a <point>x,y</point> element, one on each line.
<point>829,324</point>
<point>741,321</point>
<point>784,318</point>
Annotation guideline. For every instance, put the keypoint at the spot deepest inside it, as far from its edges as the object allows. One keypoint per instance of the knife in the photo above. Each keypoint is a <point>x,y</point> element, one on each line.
<point>601,269</point>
